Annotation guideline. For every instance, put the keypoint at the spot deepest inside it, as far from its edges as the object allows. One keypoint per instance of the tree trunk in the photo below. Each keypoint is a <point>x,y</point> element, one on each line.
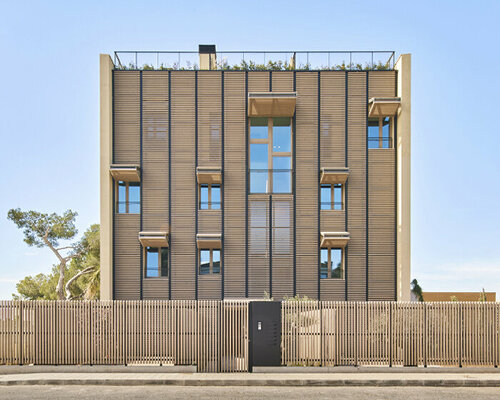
<point>60,283</point>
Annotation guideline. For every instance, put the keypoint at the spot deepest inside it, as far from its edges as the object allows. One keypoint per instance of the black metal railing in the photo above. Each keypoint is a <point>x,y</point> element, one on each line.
<point>210,205</point>
<point>258,60</point>
<point>380,143</point>
<point>128,207</point>
<point>329,205</point>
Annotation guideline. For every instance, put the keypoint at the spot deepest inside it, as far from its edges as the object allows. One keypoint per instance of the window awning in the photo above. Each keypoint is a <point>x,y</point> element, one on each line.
<point>334,239</point>
<point>209,240</point>
<point>209,175</point>
<point>383,106</point>
<point>125,172</point>
<point>334,175</point>
<point>271,104</point>
<point>153,239</point>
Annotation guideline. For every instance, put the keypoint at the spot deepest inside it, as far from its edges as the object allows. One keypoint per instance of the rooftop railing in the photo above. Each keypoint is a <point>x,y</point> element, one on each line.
<point>258,60</point>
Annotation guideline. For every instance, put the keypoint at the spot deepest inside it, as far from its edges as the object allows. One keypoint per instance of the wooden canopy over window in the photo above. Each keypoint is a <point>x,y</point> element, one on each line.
<point>334,175</point>
<point>153,239</point>
<point>271,104</point>
<point>383,106</point>
<point>209,175</point>
<point>334,239</point>
<point>126,173</point>
<point>209,240</point>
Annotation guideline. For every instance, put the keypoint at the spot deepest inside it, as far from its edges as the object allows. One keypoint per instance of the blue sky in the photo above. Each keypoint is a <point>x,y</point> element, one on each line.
<point>49,119</point>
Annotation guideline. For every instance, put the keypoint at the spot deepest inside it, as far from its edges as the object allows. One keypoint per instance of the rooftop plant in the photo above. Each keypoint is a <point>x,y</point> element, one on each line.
<point>269,66</point>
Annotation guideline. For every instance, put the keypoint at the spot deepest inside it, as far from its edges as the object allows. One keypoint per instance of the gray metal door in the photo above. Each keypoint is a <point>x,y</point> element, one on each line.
<point>265,333</point>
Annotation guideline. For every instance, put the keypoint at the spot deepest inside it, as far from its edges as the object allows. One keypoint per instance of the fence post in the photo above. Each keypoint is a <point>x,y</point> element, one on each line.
<point>425,334</point>
<point>20,339</point>
<point>391,336</point>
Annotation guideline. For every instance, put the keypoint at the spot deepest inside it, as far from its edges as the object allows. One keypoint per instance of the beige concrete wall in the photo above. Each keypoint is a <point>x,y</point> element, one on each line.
<point>403,149</point>
<point>106,183</point>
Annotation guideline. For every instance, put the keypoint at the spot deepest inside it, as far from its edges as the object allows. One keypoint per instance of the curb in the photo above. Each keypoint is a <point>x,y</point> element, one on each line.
<point>258,382</point>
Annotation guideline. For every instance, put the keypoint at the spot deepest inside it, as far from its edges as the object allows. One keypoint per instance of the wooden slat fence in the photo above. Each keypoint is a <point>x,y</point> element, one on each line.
<point>390,333</point>
<point>209,334</point>
<point>214,334</point>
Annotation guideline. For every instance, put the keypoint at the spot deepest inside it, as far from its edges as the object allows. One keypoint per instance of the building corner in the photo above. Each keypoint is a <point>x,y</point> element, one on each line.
<point>403,155</point>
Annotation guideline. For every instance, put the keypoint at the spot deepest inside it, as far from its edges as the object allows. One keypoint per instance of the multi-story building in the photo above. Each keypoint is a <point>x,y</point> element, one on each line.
<point>286,178</point>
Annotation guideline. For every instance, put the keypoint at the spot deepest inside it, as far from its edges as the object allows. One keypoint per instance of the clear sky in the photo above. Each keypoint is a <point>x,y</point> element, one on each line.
<point>49,108</point>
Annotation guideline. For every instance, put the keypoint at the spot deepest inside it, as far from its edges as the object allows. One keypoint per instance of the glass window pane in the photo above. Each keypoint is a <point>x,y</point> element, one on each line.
<point>151,262</point>
<point>259,181</point>
<point>282,137</point>
<point>215,197</point>
<point>258,156</point>
<point>385,127</point>
<point>134,197</point>
<point>326,197</point>
<point>204,197</point>
<point>282,163</point>
<point>204,262</point>
<point>337,197</point>
<point>373,133</point>
<point>373,128</point>
<point>216,261</point>
<point>386,132</point>
<point>122,197</point>
<point>337,263</point>
<point>282,182</point>
<point>324,264</point>
<point>258,128</point>
<point>164,261</point>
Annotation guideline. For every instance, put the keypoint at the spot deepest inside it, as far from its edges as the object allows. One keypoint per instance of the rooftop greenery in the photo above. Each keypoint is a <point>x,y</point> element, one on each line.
<point>269,66</point>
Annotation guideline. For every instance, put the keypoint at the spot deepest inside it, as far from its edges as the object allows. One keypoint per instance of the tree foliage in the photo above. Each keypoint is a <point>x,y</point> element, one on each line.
<point>77,274</point>
<point>36,225</point>
<point>417,290</point>
<point>86,286</point>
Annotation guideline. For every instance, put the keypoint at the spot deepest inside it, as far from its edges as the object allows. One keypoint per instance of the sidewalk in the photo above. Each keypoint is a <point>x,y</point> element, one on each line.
<point>442,379</point>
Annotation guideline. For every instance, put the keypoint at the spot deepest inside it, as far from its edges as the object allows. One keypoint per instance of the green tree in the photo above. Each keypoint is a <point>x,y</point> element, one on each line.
<point>47,230</point>
<point>482,296</point>
<point>417,290</point>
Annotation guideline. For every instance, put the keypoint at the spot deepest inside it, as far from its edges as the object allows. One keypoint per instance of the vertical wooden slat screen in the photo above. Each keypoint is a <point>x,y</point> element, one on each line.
<point>234,178</point>
<point>282,246</point>
<point>381,225</point>
<point>258,245</point>
<point>332,133</point>
<point>126,150</point>
<point>356,187</point>
<point>183,242</point>
<point>307,182</point>
<point>126,136</point>
<point>154,184</point>
<point>127,257</point>
<point>209,155</point>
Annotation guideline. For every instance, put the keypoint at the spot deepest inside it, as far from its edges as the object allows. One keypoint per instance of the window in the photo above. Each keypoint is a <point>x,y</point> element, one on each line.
<point>209,196</point>
<point>332,196</point>
<point>128,197</point>
<point>332,263</point>
<point>379,133</point>
<point>156,261</point>
<point>209,261</point>
<point>270,155</point>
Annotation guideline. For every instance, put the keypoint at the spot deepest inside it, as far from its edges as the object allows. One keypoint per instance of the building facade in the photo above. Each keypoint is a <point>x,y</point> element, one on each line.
<point>242,183</point>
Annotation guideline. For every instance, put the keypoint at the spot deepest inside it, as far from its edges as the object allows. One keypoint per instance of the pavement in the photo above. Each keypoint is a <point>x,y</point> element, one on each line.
<point>155,392</point>
<point>485,377</point>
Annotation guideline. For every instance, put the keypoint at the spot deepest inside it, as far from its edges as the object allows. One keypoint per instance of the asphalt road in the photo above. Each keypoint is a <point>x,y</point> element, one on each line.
<point>241,393</point>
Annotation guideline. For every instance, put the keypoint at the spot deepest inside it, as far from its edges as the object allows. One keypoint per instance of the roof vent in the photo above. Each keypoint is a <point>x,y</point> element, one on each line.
<point>208,56</point>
